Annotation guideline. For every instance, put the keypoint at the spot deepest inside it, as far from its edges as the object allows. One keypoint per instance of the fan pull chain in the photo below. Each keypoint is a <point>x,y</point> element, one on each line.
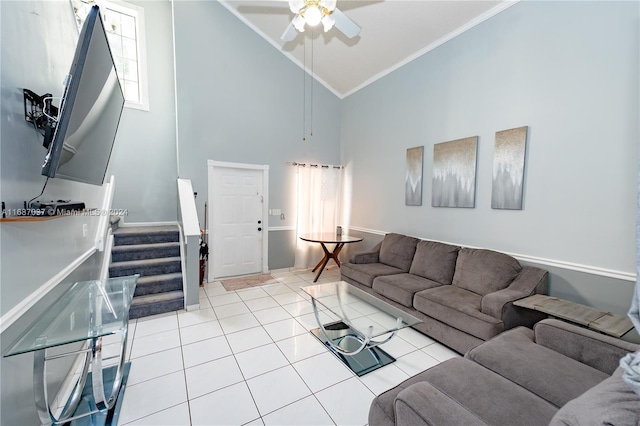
<point>304,88</point>
<point>312,80</point>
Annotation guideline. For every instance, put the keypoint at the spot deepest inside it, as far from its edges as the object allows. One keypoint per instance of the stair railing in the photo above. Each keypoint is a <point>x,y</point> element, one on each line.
<point>189,242</point>
<point>104,214</point>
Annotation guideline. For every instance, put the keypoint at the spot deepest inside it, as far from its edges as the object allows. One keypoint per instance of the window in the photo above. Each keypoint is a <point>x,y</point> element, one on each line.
<point>125,30</point>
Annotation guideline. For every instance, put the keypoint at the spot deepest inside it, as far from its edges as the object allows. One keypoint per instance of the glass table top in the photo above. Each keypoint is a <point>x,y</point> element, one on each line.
<point>89,309</point>
<point>359,309</point>
<point>329,238</point>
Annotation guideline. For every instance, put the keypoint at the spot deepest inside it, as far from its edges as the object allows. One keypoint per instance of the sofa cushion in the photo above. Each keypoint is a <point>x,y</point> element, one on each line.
<point>584,345</point>
<point>435,261</point>
<point>611,402</point>
<point>364,273</point>
<point>422,403</point>
<point>484,271</point>
<point>462,381</point>
<point>402,287</point>
<point>397,251</point>
<point>458,308</point>
<point>547,373</point>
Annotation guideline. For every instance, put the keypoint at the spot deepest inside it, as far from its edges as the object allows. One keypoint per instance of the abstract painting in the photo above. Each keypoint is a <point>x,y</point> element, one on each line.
<point>413,179</point>
<point>454,173</point>
<point>508,169</point>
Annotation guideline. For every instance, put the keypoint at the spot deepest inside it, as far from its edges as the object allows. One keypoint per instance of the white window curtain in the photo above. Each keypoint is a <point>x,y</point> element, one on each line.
<point>318,208</point>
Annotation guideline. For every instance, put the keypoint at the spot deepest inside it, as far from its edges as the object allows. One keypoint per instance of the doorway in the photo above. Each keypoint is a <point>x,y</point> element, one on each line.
<point>238,201</point>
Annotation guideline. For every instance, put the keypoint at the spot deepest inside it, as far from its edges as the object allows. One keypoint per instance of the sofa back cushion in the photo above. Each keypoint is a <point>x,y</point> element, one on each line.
<point>435,261</point>
<point>397,251</point>
<point>611,402</point>
<point>484,271</point>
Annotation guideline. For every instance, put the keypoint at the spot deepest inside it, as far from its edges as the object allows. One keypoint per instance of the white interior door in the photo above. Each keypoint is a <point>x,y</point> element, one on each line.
<point>238,220</point>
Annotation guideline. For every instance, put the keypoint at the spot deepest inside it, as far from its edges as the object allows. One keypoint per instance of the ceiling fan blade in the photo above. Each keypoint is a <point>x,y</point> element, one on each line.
<point>289,33</point>
<point>344,24</point>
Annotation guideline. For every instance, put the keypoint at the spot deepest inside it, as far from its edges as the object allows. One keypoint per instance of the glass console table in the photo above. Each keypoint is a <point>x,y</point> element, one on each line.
<point>87,312</point>
<point>362,318</point>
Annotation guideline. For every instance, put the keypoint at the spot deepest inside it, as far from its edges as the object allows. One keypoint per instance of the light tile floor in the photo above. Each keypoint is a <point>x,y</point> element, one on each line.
<point>246,357</point>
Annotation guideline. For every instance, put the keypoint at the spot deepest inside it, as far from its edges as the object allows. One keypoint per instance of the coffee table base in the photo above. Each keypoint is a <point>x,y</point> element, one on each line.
<point>366,361</point>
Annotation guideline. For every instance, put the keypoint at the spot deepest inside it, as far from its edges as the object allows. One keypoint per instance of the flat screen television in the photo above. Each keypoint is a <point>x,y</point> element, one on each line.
<point>90,110</point>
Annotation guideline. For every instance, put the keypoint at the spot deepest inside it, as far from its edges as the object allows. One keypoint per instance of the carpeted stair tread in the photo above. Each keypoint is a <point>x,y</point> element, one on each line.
<point>153,252</point>
<point>135,235</point>
<point>130,252</point>
<point>128,230</point>
<point>159,283</point>
<point>153,304</point>
<point>155,298</point>
<point>152,278</point>
<point>146,267</point>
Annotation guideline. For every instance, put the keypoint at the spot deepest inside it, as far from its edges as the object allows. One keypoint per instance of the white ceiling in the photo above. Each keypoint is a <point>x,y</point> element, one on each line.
<point>394,32</point>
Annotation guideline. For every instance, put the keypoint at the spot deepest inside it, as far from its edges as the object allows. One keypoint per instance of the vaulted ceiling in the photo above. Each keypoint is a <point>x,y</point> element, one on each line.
<point>393,33</point>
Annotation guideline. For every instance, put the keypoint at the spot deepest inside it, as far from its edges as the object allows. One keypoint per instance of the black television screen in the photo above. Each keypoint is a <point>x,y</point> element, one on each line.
<point>90,110</point>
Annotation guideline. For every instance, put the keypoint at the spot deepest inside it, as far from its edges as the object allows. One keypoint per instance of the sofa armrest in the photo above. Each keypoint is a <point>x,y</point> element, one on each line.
<point>586,346</point>
<point>499,304</point>
<point>423,404</point>
<point>371,256</point>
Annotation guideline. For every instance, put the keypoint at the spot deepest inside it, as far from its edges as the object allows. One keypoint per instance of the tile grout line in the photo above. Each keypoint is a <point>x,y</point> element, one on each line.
<point>297,284</point>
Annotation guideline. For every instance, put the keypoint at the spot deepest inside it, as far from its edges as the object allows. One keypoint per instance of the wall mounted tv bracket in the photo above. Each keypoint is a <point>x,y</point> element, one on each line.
<point>39,111</point>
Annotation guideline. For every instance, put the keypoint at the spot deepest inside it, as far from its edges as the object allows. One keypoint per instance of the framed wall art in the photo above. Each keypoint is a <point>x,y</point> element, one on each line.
<point>413,178</point>
<point>508,169</point>
<point>454,173</point>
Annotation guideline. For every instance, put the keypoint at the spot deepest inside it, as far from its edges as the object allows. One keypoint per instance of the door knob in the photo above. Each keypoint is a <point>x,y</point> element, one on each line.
<point>259,222</point>
<point>259,229</point>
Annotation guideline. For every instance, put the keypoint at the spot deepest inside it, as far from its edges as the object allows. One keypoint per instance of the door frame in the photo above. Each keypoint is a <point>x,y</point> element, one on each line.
<point>211,192</point>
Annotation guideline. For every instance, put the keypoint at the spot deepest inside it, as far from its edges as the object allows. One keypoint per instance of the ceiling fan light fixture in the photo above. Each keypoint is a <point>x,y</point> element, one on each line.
<point>296,5</point>
<point>330,5</point>
<point>312,16</point>
<point>327,22</point>
<point>298,23</point>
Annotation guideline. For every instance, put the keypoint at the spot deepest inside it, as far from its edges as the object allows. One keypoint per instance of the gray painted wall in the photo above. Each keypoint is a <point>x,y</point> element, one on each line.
<point>568,70</point>
<point>144,156</point>
<point>38,41</point>
<point>52,245</point>
<point>282,249</point>
<point>240,100</point>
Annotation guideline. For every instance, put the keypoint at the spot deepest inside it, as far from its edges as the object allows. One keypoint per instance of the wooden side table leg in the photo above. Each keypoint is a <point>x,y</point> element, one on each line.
<point>336,252</point>
<point>323,262</point>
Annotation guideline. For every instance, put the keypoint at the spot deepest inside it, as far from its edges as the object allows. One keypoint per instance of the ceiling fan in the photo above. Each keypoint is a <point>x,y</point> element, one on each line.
<point>313,12</point>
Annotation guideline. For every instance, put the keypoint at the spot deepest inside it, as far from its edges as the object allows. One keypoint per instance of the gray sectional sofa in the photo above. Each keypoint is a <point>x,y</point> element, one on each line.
<point>463,296</point>
<point>557,374</point>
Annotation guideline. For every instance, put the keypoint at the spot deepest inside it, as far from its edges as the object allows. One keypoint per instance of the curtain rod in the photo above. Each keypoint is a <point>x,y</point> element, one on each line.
<point>324,166</point>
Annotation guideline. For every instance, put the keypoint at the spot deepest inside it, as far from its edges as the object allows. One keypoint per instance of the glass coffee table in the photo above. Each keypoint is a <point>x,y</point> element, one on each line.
<point>362,318</point>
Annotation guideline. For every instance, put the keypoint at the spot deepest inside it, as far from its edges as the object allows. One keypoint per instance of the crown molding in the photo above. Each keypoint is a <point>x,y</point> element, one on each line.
<point>478,20</point>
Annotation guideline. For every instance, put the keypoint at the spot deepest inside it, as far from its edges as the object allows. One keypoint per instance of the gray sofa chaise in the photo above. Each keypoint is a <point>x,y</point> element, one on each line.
<point>557,373</point>
<point>463,296</point>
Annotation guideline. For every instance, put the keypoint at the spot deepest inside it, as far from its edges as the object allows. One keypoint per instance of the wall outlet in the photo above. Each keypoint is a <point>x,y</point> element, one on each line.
<point>85,230</point>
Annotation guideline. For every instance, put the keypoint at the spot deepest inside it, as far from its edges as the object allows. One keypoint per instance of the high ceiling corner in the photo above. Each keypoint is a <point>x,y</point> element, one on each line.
<point>394,32</point>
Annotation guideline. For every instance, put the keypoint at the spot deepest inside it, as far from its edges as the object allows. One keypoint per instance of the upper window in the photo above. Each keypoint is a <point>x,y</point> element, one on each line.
<point>124,24</point>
